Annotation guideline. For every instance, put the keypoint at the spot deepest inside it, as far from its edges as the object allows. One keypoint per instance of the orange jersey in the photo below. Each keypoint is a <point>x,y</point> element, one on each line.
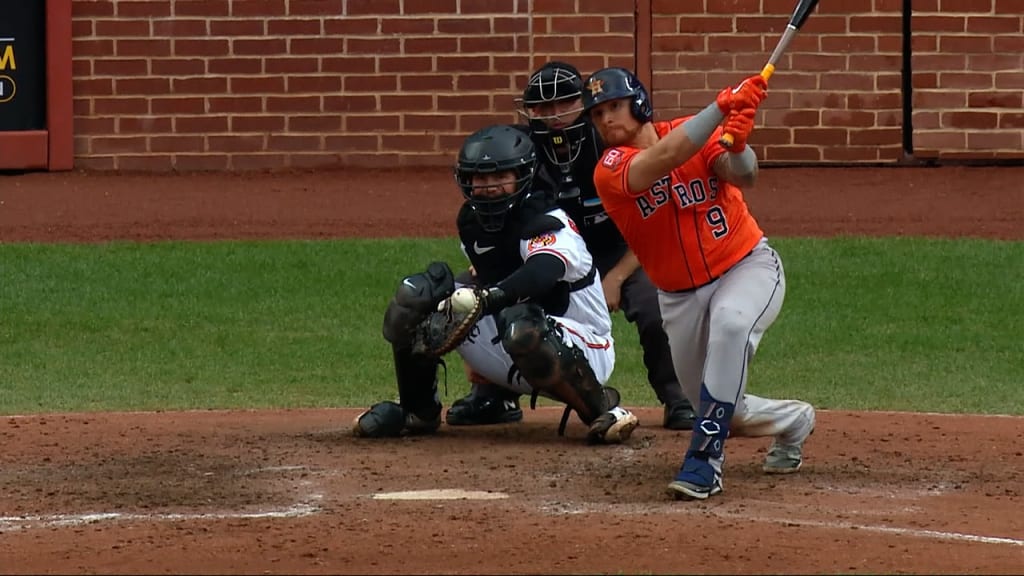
<point>689,227</point>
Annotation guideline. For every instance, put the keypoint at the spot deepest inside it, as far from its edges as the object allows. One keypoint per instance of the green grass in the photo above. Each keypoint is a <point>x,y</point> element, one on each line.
<point>903,324</point>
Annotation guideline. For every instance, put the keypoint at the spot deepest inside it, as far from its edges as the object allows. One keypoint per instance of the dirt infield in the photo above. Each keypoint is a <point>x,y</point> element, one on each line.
<point>291,492</point>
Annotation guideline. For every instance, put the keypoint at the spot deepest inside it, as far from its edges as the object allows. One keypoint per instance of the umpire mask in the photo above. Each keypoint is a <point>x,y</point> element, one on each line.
<point>552,104</point>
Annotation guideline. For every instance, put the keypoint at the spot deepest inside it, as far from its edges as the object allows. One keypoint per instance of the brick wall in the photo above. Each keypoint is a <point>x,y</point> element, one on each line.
<point>968,62</point>
<point>837,93</point>
<point>254,84</point>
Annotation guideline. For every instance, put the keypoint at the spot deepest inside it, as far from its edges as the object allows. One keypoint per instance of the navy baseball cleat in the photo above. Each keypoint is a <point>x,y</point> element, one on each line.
<point>696,480</point>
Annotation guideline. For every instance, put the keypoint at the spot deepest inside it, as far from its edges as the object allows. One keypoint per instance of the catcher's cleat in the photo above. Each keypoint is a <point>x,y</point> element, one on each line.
<point>389,420</point>
<point>479,409</point>
<point>612,427</point>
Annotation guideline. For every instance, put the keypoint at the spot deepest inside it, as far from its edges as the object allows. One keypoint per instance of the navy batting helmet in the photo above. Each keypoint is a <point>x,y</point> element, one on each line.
<point>489,150</point>
<point>615,83</point>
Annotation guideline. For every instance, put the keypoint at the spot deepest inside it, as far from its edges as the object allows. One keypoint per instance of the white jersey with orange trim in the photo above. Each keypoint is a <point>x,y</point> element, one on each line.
<point>585,324</point>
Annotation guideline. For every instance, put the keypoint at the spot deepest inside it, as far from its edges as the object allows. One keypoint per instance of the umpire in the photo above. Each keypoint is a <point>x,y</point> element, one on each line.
<point>569,148</point>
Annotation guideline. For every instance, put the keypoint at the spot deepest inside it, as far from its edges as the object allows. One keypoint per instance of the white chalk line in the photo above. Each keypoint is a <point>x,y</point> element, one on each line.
<point>12,523</point>
<point>699,510</point>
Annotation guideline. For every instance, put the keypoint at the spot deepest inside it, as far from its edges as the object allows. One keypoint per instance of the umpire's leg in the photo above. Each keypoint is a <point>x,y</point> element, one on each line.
<point>640,305</point>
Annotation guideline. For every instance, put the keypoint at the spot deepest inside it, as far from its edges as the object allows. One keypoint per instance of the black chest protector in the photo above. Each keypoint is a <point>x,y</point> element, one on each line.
<point>577,195</point>
<point>495,255</point>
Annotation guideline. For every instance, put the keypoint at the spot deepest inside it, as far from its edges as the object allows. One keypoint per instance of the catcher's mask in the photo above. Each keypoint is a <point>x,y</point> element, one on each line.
<point>615,83</point>
<point>490,150</point>
<point>556,82</point>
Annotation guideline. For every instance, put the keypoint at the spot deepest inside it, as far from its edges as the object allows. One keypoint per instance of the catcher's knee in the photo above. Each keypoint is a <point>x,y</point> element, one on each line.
<point>547,363</point>
<point>415,298</point>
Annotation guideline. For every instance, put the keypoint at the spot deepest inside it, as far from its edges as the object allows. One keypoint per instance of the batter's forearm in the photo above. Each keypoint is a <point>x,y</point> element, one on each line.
<point>672,151</point>
<point>738,168</point>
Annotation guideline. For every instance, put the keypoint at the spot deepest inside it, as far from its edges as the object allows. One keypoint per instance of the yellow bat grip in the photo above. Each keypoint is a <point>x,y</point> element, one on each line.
<point>727,139</point>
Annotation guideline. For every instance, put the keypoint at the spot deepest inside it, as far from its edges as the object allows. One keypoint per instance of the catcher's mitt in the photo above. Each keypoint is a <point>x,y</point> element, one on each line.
<point>448,327</point>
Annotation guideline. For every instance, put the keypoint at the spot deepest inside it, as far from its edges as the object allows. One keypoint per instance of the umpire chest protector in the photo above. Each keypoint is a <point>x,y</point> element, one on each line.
<point>577,195</point>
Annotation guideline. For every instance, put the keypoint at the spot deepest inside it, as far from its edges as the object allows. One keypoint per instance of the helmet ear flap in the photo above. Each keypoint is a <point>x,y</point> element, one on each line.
<point>640,107</point>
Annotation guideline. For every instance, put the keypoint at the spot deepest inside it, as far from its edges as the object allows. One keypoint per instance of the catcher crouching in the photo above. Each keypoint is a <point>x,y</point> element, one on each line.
<point>537,322</point>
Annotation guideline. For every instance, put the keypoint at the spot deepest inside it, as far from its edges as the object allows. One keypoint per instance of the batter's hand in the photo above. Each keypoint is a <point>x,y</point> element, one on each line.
<point>740,123</point>
<point>748,94</point>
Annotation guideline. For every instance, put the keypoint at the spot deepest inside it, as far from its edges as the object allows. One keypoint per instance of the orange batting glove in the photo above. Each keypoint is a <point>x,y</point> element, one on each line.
<point>748,94</point>
<point>740,123</point>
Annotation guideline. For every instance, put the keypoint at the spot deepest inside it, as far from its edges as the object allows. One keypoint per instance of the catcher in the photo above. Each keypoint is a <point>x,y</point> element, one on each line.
<point>534,320</point>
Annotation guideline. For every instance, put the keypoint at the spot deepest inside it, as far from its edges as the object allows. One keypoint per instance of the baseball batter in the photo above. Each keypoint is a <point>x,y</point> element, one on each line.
<point>674,193</point>
<point>545,329</point>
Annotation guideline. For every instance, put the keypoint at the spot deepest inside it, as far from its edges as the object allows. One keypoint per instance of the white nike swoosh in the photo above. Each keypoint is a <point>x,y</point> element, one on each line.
<point>408,283</point>
<point>481,249</point>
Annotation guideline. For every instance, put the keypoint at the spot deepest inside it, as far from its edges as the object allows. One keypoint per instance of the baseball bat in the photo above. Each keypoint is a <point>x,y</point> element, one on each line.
<point>800,14</point>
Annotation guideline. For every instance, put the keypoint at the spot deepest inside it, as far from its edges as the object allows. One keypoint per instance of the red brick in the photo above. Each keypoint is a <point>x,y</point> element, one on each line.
<point>360,7</point>
<point>235,104</point>
<point>293,103</point>
<point>842,81</point>
<point>968,44</point>
<point>458,102</point>
<point>202,8</point>
<point>143,125</point>
<point>467,64</point>
<point>390,26</point>
<point>964,80</point>
<point>1011,120</point>
<point>372,123</point>
<point>965,5</point>
<point>231,143</point>
<point>350,103</point>
<point>256,123</point>
<point>472,122</point>
<point>994,24</point>
<point>320,124</point>
<point>487,44</point>
<point>175,143</point>
<point>360,142</point>
<point>142,86</point>
<point>258,8</point>
<point>970,120</point>
<point>482,82</point>
<point>118,144</point>
<point>314,84</point>
<point>176,105</point>
<point>229,66</point>
<point>291,65</point>
<point>146,163</point>
<point>352,26</point>
<point>734,44</point>
<point>316,7</point>
<point>406,103</point>
<point>828,137</point>
<point>294,27</point>
<point>257,47</point>
<point>406,64</point>
<point>555,7</point>
<point>200,124</point>
<point>554,44</point>
<point>200,47</point>
<point>512,25</point>
<point>792,153</point>
<point>433,7</point>
<point>297,46</point>
<point>994,140</point>
<point>119,67</point>
<point>426,82</point>
<point>92,9</point>
<point>149,48</point>
<point>1008,99</point>
<point>257,85</point>
<point>479,6</point>
<point>120,106</point>
<point>372,46</point>
<point>734,7</point>
<point>409,142</point>
<point>349,65</point>
<point>238,27</point>
<point>122,28</point>
<point>145,9</point>
<point>178,67</point>
<point>680,43</point>
<point>179,27</point>
<point>429,122</point>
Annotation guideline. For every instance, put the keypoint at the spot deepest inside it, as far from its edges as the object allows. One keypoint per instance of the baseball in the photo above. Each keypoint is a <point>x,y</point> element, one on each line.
<point>463,300</point>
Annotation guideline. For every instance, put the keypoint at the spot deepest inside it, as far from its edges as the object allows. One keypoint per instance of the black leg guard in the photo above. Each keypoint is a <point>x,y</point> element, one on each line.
<point>417,384</point>
<point>548,364</point>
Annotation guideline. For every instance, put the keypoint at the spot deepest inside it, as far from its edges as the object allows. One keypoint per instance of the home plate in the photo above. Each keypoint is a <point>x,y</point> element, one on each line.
<point>441,494</point>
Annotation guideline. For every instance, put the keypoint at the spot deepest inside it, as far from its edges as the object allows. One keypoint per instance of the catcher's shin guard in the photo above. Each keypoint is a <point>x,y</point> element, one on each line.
<point>416,375</point>
<point>548,364</point>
